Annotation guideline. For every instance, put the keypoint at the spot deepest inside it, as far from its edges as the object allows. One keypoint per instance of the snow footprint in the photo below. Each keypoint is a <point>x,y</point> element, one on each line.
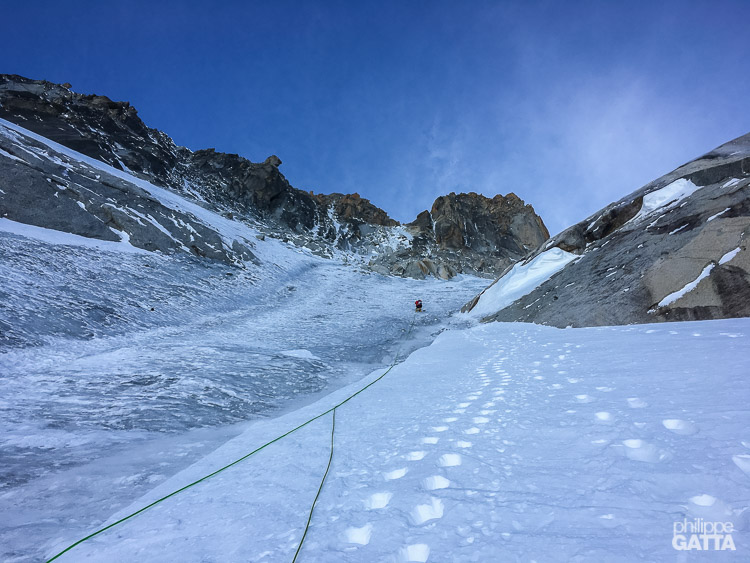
<point>395,474</point>
<point>430,440</point>
<point>709,508</point>
<point>435,482</point>
<point>359,536</point>
<point>378,500</point>
<point>415,456</point>
<point>417,553</point>
<point>640,450</point>
<point>425,512</point>
<point>678,426</point>
<point>449,460</point>
<point>743,462</point>
<point>636,403</point>
<point>604,417</point>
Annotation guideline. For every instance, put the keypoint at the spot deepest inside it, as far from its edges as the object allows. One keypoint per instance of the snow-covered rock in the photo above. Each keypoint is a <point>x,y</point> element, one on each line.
<point>676,249</point>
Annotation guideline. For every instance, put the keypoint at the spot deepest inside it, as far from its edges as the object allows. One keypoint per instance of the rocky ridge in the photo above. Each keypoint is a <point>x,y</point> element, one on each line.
<point>676,249</point>
<point>466,231</point>
<point>462,233</point>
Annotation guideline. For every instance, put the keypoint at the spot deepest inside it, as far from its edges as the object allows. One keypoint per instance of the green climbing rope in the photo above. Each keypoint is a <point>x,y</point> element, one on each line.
<point>243,458</point>
<point>333,431</point>
<point>320,488</point>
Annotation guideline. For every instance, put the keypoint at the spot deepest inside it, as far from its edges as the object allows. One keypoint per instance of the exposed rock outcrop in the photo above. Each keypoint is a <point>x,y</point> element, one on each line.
<point>468,233</point>
<point>45,188</point>
<point>675,249</point>
<point>353,207</point>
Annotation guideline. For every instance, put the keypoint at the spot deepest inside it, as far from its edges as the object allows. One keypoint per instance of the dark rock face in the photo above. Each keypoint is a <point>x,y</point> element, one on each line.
<point>462,233</point>
<point>261,190</point>
<point>45,188</point>
<point>353,208</point>
<point>486,225</point>
<point>468,233</point>
<point>684,259</point>
<point>92,125</point>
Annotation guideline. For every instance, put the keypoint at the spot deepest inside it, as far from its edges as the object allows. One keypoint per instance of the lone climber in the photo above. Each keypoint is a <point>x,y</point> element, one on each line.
<point>418,304</point>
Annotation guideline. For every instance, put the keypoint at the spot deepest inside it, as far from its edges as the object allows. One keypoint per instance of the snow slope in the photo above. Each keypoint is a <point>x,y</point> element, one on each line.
<point>523,278</point>
<point>68,239</point>
<point>503,442</point>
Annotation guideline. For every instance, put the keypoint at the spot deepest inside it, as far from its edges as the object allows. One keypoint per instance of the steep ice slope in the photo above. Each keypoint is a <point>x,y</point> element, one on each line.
<point>674,250</point>
<point>503,442</point>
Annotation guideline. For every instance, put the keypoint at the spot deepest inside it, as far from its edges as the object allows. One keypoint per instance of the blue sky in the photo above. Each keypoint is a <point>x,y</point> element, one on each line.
<point>570,105</point>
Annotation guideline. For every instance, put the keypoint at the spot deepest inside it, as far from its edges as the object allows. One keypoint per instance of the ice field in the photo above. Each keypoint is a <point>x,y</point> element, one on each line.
<point>91,422</point>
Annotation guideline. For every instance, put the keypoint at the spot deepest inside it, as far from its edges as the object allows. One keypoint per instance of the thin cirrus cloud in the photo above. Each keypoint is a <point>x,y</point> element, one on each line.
<point>568,152</point>
<point>570,105</point>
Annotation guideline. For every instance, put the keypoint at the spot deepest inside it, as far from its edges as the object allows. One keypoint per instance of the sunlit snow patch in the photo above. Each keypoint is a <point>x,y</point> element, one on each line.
<point>719,214</point>
<point>729,255</point>
<point>8,155</point>
<point>52,236</point>
<point>521,280</point>
<point>665,198</point>
<point>674,296</point>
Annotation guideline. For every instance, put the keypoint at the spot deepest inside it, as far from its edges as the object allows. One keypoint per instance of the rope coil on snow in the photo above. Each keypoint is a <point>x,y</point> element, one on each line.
<point>235,462</point>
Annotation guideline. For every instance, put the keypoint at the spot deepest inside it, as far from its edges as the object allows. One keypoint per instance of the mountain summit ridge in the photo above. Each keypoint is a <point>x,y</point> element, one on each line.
<point>113,133</point>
